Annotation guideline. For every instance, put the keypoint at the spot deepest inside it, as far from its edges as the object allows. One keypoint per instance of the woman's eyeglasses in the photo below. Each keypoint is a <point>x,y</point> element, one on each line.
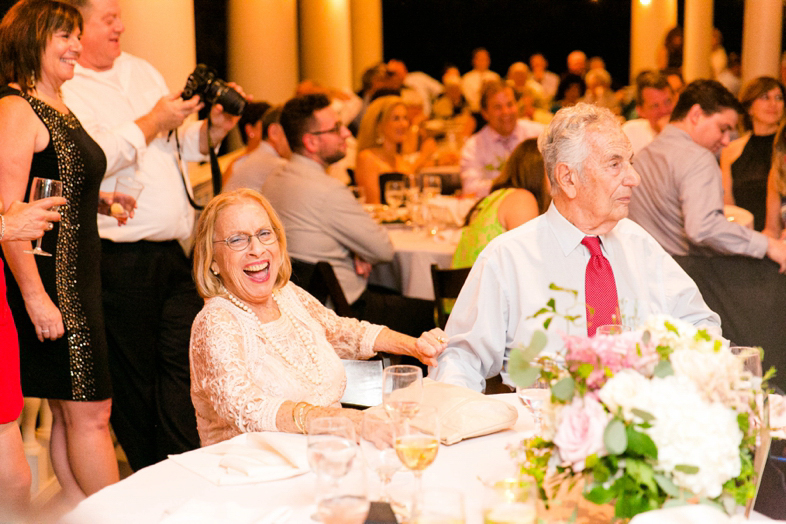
<point>241,241</point>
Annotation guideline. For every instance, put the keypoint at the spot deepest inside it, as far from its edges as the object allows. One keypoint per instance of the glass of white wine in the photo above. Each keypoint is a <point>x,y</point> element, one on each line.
<point>416,441</point>
<point>43,188</point>
<point>394,193</point>
<point>402,390</point>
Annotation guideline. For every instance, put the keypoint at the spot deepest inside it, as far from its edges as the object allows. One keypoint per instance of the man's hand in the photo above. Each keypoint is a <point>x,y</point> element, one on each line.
<point>169,113</point>
<point>776,250</point>
<point>362,267</point>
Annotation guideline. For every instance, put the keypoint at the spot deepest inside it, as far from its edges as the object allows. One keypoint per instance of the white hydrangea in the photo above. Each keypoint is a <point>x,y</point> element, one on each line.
<point>691,431</point>
<point>718,375</point>
<point>627,389</point>
<point>684,339</point>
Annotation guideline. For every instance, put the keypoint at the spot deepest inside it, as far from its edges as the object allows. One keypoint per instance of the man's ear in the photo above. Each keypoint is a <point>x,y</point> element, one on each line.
<point>310,142</point>
<point>567,180</point>
<point>694,113</point>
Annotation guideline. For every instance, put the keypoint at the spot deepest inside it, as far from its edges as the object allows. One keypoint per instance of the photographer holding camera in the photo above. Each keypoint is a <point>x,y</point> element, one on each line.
<point>149,295</point>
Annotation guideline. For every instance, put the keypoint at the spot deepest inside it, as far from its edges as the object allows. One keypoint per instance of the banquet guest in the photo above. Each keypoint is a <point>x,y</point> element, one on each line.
<point>250,128</point>
<point>746,162</point>
<point>519,79</point>
<point>680,198</point>
<point>149,295</point>
<point>20,222</point>
<point>451,105</point>
<point>654,103</point>
<point>264,353</point>
<point>56,300</point>
<point>587,159</point>
<point>577,63</point>
<point>599,91</point>
<point>271,154</point>
<point>425,86</point>
<point>326,223</point>
<point>776,186</point>
<point>571,89</point>
<point>485,152</point>
<point>540,73</point>
<point>731,76</point>
<point>472,82</point>
<point>669,55</point>
<point>518,194</point>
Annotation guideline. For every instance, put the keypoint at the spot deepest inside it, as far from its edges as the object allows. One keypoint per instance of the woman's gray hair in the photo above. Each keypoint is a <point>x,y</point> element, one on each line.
<point>565,139</point>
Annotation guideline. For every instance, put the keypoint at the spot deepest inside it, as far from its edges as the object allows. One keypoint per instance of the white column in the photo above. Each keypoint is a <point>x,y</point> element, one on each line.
<point>325,42</point>
<point>650,20</point>
<point>163,34</point>
<point>263,48</point>
<point>761,39</point>
<point>697,40</point>
<point>367,49</point>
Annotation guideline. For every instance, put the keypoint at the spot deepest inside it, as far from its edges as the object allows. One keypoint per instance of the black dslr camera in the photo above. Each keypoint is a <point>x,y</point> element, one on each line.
<point>204,82</point>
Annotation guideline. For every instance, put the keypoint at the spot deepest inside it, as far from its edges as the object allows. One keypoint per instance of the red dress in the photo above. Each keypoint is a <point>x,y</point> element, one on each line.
<point>10,387</point>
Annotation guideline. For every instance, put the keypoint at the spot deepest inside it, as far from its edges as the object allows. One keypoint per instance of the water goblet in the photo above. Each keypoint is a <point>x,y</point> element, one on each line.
<point>345,503</point>
<point>533,399</point>
<point>43,188</point>
<point>394,193</point>
<point>439,506</point>
<point>432,185</point>
<point>402,390</point>
<point>379,454</point>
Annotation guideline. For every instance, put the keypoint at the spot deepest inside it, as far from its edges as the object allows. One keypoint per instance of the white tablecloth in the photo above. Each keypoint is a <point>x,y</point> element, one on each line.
<point>410,270</point>
<point>146,496</point>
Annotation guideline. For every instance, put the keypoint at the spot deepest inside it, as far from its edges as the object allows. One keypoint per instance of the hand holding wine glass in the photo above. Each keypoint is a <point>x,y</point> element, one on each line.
<point>25,221</point>
<point>402,390</point>
<point>44,188</point>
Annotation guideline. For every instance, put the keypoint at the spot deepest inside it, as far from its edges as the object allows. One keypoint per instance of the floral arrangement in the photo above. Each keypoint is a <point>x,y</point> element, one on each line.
<point>660,416</point>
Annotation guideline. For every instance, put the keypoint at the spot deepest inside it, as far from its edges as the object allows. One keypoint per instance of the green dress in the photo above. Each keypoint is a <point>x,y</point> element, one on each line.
<point>483,228</point>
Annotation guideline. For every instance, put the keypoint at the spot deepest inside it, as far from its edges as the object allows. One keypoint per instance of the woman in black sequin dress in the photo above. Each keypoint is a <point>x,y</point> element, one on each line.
<point>56,301</point>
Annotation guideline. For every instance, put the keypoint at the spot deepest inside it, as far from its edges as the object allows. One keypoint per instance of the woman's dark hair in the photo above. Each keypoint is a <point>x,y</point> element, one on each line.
<point>753,90</point>
<point>25,31</point>
<point>567,82</point>
<point>523,170</point>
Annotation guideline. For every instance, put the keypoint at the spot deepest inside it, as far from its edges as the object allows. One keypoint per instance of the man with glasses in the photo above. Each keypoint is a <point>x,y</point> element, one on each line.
<point>324,222</point>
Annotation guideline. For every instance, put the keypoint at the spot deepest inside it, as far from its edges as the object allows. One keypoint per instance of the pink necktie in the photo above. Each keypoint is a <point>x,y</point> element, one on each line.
<point>600,290</point>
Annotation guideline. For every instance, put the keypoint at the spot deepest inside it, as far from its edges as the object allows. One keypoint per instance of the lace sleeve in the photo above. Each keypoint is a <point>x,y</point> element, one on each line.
<point>351,338</point>
<point>221,375</point>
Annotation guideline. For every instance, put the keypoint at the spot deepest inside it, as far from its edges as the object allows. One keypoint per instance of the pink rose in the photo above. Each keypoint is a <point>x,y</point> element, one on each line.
<point>580,431</point>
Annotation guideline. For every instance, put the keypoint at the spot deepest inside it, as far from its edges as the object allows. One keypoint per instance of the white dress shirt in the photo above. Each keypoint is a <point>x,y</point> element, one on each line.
<point>485,152</point>
<point>472,82</point>
<point>510,280</point>
<point>640,133</point>
<point>107,103</point>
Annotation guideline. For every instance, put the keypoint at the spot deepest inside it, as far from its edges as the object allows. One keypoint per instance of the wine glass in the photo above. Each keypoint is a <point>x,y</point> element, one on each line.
<point>44,188</point>
<point>380,455</point>
<point>402,390</point>
<point>416,441</point>
<point>346,502</point>
<point>394,193</point>
<point>534,398</point>
<point>331,450</point>
<point>432,185</point>
<point>445,506</point>
<point>612,329</point>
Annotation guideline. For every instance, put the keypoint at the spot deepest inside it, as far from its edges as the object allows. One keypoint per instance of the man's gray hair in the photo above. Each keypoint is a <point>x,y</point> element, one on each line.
<point>565,139</point>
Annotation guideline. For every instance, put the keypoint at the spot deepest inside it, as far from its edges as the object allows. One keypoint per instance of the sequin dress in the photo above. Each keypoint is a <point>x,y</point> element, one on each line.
<point>75,366</point>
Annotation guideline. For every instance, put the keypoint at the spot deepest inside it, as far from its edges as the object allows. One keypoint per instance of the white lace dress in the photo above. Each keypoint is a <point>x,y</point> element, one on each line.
<point>238,379</point>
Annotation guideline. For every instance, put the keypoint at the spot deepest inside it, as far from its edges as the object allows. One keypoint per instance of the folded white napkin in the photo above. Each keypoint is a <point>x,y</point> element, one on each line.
<point>196,511</point>
<point>691,514</point>
<point>248,458</point>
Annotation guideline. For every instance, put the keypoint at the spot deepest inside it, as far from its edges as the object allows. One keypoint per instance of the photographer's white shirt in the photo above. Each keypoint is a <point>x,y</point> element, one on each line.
<point>107,103</point>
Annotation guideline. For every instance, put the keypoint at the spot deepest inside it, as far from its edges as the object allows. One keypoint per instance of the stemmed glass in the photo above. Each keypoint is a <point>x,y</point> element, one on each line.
<point>402,390</point>
<point>394,194</point>
<point>432,185</point>
<point>380,455</point>
<point>44,188</point>
<point>416,441</point>
<point>331,450</point>
<point>533,399</point>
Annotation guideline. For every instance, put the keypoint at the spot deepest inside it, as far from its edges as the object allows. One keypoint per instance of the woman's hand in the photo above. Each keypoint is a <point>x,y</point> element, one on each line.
<point>376,430</point>
<point>430,345</point>
<point>31,221</point>
<point>46,317</point>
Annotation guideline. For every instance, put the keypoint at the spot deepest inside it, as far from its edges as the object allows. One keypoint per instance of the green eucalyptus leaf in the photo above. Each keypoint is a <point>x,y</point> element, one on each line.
<point>646,416</point>
<point>614,437</point>
<point>688,469</point>
<point>641,443</point>
<point>599,495</point>
<point>663,369</point>
<point>564,389</point>
<point>524,377</point>
<point>667,485</point>
<point>646,337</point>
<point>673,503</point>
<point>642,473</point>
<point>536,345</point>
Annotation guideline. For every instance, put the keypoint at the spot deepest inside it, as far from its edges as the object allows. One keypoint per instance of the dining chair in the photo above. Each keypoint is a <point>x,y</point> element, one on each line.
<point>447,284</point>
<point>320,281</point>
<point>388,177</point>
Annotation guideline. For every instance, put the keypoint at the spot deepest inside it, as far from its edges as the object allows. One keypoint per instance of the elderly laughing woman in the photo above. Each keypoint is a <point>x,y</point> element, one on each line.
<point>265,355</point>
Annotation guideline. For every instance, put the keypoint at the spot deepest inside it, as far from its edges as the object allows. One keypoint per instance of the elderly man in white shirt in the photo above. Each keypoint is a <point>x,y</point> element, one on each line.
<point>149,296</point>
<point>587,159</point>
<point>485,152</point>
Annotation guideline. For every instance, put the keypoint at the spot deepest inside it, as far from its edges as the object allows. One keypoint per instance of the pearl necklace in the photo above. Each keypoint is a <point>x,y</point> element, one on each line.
<point>299,331</point>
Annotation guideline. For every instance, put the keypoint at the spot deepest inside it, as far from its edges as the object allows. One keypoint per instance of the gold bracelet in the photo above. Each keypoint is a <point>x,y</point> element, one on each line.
<point>298,406</point>
<point>304,413</point>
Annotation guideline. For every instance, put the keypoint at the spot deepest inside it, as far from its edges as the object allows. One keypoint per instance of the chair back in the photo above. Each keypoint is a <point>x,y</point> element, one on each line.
<point>388,177</point>
<point>451,179</point>
<point>447,285</point>
<point>320,281</point>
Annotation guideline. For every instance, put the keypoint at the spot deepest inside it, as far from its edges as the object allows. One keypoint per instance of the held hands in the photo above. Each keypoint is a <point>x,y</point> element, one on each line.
<point>430,345</point>
<point>30,221</point>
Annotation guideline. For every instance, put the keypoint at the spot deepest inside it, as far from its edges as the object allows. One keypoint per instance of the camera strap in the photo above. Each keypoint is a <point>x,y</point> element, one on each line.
<point>183,176</point>
<point>215,169</point>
